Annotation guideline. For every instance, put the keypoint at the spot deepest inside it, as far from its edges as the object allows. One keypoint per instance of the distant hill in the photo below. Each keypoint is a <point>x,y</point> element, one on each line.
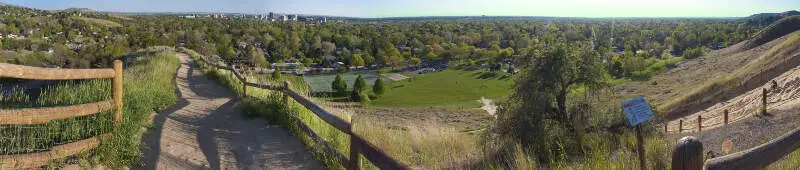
<point>779,28</point>
<point>764,19</point>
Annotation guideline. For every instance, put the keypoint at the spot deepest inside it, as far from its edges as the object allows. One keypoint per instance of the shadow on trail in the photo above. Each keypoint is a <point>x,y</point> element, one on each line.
<point>152,139</point>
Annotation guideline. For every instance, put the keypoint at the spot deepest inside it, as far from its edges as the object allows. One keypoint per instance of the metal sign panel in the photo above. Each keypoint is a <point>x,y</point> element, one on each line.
<point>637,110</point>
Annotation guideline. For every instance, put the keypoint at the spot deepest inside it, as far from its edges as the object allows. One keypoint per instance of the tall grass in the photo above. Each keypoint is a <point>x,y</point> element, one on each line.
<point>269,105</point>
<point>791,161</point>
<point>712,89</point>
<point>148,86</point>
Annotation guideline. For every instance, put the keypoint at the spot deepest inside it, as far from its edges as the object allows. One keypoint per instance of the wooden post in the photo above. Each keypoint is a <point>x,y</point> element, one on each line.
<point>726,116</point>
<point>666,125</point>
<point>117,91</point>
<point>688,154</point>
<point>355,160</point>
<point>244,87</point>
<point>640,147</point>
<point>680,125</point>
<point>699,123</point>
<point>287,86</point>
<point>764,101</point>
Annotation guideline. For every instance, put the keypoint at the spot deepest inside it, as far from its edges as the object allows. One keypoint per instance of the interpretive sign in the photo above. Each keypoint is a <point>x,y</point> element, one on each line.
<point>637,110</point>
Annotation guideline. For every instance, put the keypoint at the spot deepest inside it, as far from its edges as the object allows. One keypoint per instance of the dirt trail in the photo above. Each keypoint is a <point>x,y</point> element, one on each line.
<point>204,130</point>
<point>785,93</point>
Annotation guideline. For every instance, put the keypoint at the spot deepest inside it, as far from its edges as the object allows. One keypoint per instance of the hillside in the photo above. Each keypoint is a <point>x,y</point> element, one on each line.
<point>699,83</point>
<point>778,29</point>
<point>767,18</point>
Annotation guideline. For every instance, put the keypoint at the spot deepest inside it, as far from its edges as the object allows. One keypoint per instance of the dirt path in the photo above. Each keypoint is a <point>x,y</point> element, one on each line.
<point>786,92</point>
<point>204,130</point>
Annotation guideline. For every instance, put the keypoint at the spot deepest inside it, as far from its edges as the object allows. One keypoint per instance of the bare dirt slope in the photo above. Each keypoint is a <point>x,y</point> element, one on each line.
<point>786,93</point>
<point>206,131</point>
<point>693,74</point>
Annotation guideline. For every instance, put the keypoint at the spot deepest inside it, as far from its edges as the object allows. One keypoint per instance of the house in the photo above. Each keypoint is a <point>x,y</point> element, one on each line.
<point>329,61</point>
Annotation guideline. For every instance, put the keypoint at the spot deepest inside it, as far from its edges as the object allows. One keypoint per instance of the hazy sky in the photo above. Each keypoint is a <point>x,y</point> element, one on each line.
<point>383,8</point>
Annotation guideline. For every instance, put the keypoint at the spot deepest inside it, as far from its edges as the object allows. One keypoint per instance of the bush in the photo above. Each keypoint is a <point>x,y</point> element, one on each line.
<point>693,53</point>
<point>276,74</point>
<point>339,85</point>
<point>379,88</point>
<point>358,88</point>
<point>364,99</point>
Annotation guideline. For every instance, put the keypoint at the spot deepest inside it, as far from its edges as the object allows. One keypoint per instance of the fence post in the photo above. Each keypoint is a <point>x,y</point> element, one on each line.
<point>244,87</point>
<point>764,101</point>
<point>699,123</point>
<point>666,125</point>
<point>726,116</point>
<point>117,91</point>
<point>688,154</point>
<point>355,160</point>
<point>287,86</point>
<point>680,125</point>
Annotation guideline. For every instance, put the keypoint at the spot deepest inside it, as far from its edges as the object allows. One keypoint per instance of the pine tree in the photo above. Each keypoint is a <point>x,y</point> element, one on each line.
<point>358,88</point>
<point>339,85</point>
<point>277,74</point>
<point>360,84</point>
<point>379,88</point>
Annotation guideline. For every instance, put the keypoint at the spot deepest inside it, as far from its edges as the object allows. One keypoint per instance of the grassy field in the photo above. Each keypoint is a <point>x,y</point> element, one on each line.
<point>148,86</point>
<point>322,83</point>
<point>450,88</point>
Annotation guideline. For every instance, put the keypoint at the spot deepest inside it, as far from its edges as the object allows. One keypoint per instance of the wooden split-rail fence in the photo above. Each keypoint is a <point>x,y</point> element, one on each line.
<point>358,145</point>
<point>697,124</point>
<point>34,116</point>
<point>689,154</point>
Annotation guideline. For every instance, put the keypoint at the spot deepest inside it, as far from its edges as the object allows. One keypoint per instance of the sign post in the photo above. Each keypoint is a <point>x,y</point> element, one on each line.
<point>638,111</point>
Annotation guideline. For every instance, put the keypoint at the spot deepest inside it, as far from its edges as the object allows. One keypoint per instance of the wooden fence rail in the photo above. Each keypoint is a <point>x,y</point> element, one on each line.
<point>358,145</point>
<point>44,115</point>
<point>758,157</point>
<point>724,116</point>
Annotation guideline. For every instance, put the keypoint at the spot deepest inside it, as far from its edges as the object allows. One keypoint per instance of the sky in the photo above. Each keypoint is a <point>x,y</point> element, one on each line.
<point>412,8</point>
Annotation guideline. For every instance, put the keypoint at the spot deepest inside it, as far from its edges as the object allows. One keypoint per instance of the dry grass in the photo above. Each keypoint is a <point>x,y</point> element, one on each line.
<point>761,69</point>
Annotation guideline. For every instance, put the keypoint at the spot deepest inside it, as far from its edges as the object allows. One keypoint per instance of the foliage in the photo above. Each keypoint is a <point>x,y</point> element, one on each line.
<point>379,88</point>
<point>338,85</point>
<point>359,90</point>
<point>276,74</point>
<point>356,60</point>
<point>693,53</point>
<point>538,106</point>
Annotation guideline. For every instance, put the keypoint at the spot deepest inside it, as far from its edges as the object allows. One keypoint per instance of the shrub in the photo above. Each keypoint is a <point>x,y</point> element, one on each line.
<point>339,85</point>
<point>358,88</point>
<point>693,53</point>
<point>379,88</point>
<point>360,84</point>
<point>364,99</point>
<point>277,74</point>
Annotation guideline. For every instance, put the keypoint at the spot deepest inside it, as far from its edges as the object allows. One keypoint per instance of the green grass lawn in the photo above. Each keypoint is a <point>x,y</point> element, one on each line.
<point>322,83</point>
<point>450,88</point>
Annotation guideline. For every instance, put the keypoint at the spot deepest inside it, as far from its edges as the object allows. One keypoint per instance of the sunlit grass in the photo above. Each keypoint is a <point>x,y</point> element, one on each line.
<point>148,86</point>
